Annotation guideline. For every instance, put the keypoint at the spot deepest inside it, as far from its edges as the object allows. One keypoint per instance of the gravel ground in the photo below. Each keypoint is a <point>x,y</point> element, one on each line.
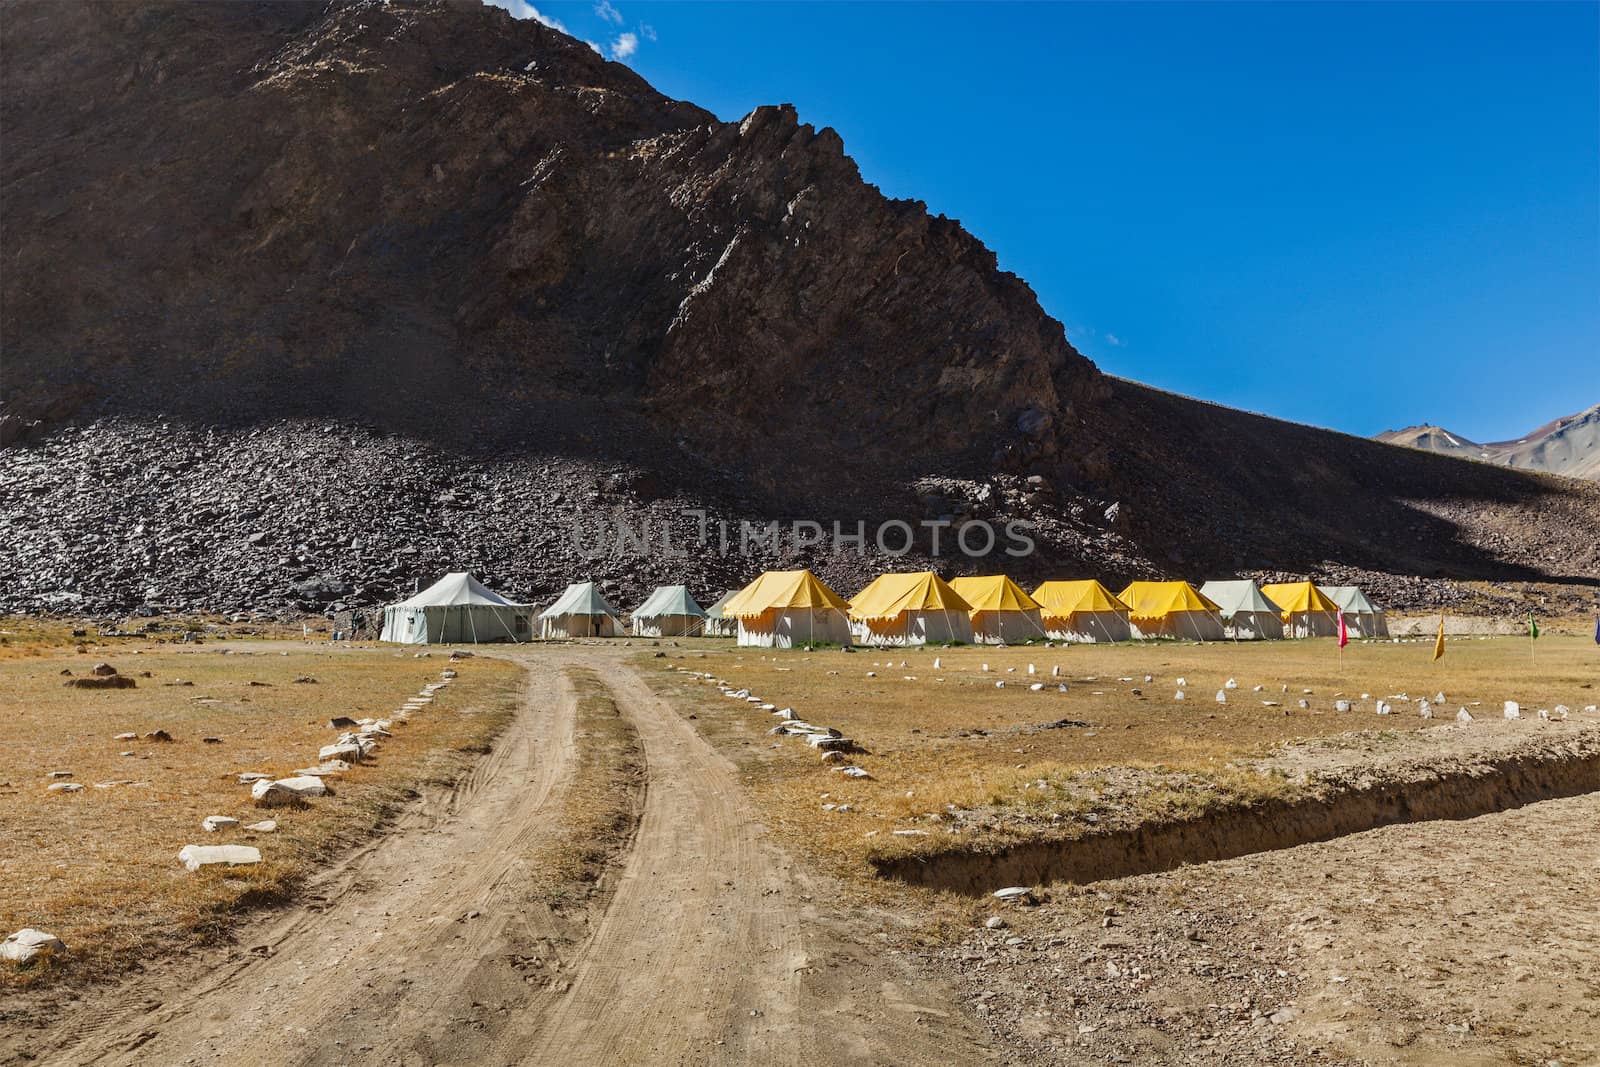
<point>1442,942</point>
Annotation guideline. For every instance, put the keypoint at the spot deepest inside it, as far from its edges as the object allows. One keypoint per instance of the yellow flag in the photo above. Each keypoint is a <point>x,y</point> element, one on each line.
<point>1438,646</point>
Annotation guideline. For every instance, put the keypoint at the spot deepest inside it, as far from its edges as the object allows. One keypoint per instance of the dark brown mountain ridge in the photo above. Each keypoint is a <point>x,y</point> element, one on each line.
<point>431,222</point>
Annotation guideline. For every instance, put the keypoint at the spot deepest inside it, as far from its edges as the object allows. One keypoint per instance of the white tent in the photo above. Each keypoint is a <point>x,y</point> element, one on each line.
<point>456,609</point>
<point>1362,618</point>
<point>716,624</point>
<point>1247,613</point>
<point>580,612</point>
<point>669,612</point>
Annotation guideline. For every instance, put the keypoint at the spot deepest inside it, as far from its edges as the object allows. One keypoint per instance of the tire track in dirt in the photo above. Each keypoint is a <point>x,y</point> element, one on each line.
<point>712,949</point>
<point>380,959</point>
<point>706,945</point>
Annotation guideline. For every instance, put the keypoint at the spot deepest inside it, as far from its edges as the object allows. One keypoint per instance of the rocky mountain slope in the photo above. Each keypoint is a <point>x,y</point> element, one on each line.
<point>1568,446</point>
<point>305,303</point>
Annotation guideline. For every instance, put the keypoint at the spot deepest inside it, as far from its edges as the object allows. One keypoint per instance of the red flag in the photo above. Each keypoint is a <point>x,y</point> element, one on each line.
<point>1344,634</point>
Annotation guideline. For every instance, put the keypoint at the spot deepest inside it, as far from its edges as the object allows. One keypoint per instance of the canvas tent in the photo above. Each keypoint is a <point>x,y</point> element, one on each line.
<point>782,609</point>
<point>1171,609</point>
<point>1001,611</point>
<point>1362,618</point>
<point>1247,613</point>
<point>1307,612</point>
<point>669,612</point>
<point>1083,611</point>
<point>456,609</point>
<point>580,612</point>
<point>717,624</point>
<point>909,609</point>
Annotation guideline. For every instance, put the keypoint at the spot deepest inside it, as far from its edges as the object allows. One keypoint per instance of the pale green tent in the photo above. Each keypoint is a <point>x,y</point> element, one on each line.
<point>669,612</point>
<point>1362,618</point>
<point>454,610</point>
<point>716,624</point>
<point>1247,613</point>
<point>580,612</point>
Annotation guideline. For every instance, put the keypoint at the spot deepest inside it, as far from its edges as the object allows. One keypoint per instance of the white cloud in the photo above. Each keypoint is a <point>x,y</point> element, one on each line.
<point>597,49</point>
<point>523,10</point>
<point>625,45</point>
<point>607,12</point>
<point>647,31</point>
<point>1115,341</point>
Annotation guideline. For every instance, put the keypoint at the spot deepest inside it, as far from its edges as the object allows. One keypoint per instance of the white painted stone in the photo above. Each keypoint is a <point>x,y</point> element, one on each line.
<point>265,826</point>
<point>1015,892</point>
<point>1513,710</point>
<point>193,857</point>
<point>1222,696</point>
<point>1463,715</point>
<point>1036,686</point>
<point>1426,710</point>
<point>1178,695</point>
<point>268,794</point>
<point>333,766</point>
<point>349,751</point>
<point>213,823</point>
<point>1341,705</point>
<point>1230,684</point>
<point>1030,669</point>
<point>1001,684</point>
<point>63,787</point>
<point>1383,707</point>
<point>854,772</point>
<point>1182,682</point>
<point>27,944</point>
<point>126,737</point>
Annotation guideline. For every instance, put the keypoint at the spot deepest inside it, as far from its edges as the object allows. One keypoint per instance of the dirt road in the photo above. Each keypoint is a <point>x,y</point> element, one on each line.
<point>706,946</point>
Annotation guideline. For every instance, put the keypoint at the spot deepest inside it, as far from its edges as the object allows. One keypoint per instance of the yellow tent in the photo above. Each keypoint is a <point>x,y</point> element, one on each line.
<point>909,609</point>
<point>1083,611</point>
<point>1307,610</point>
<point>781,609</point>
<point>1171,609</point>
<point>1000,610</point>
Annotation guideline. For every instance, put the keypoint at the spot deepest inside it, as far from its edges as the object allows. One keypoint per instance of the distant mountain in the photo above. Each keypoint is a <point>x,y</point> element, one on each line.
<point>1568,446</point>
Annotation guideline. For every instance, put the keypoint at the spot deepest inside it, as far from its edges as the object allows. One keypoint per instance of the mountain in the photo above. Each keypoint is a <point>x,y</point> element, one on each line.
<point>306,303</point>
<point>1568,446</point>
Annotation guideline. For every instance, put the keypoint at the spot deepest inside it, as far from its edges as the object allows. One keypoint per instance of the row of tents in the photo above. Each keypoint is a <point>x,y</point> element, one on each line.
<point>782,609</point>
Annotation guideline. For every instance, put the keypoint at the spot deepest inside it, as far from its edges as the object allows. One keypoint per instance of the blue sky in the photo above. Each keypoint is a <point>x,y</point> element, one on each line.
<point>1354,215</point>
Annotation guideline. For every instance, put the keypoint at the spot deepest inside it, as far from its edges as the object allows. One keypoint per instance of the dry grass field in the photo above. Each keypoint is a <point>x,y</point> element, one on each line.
<point>951,752</point>
<point>99,868</point>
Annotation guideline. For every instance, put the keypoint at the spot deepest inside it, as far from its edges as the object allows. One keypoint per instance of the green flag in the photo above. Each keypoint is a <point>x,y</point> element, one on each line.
<point>1533,628</point>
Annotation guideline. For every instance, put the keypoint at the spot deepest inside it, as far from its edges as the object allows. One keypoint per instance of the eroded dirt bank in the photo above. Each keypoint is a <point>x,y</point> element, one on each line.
<point>1321,811</point>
